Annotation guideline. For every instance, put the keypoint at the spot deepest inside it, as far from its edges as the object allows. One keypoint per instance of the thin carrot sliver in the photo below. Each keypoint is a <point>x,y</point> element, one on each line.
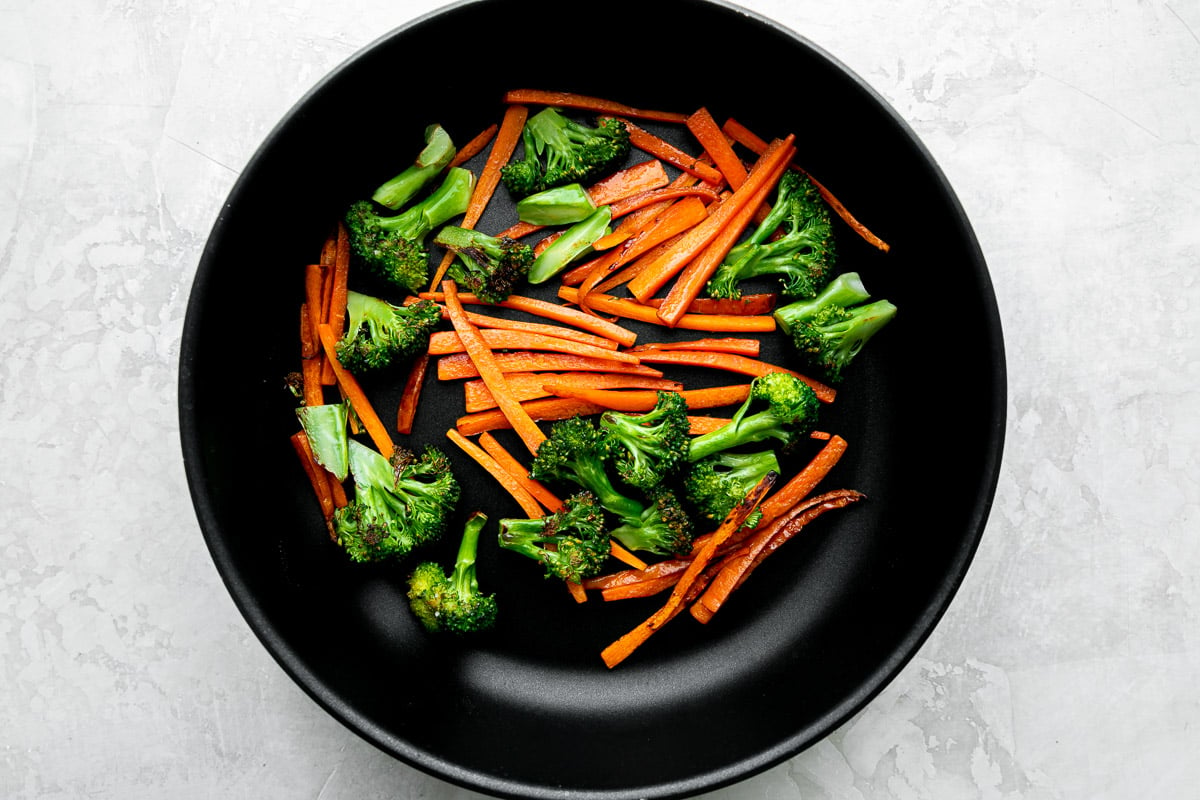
<point>318,477</point>
<point>559,313</point>
<point>714,141</point>
<point>518,492</point>
<point>700,424</point>
<point>628,182</point>
<point>339,278</point>
<point>519,471</point>
<point>727,344</point>
<point>548,329</point>
<point>531,385</point>
<point>507,137</point>
<point>732,362</point>
<point>354,393</point>
<point>457,366</point>
<point>474,146</point>
<point>484,359</point>
<point>446,342</point>
<point>635,400</point>
<point>660,148</point>
<point>757,303</point>
<point>413,384</point>
<point>631,309</point>
<point>583,102</point>
<point>804,481</point>
<point>547,409</point>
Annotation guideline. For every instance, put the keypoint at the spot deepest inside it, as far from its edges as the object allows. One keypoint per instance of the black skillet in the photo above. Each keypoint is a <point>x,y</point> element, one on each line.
<point>531,711</point>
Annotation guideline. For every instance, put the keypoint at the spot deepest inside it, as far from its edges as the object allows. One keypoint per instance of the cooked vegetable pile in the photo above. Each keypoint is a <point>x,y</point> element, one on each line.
<point>630,482</point>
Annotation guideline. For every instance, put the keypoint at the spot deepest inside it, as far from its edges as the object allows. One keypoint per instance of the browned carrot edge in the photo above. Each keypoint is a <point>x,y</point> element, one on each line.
<point>413,384</point>
<point>714,141</point>
<point>507,481</point>
<point>660,148</point>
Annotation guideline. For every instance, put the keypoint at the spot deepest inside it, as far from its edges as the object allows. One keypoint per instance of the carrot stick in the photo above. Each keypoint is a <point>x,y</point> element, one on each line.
<point>628,182</point>
<point>583,102</point>
<point>554,311</point>
<point>804,481</point>
<point>519,472</point>
<point>547,409</point>
<point>510,484</point>
<point>716,144</point>
<point>530,385</point>
<point>317,475</point>
<point>631,309</point>
<point>623,647</point>
<point>646,588</point>
<point>354,393</point>
<point>761,544</point>
<point>656,275</point>
<point>643,400</point>
<point>561,331</point>
<point>576,591</point>
<point>311,358</point>
<point>481,354</point>
<point>728,344</point>
<point>339,279</point>
<point>660,148</point>
<point>743,136</point>
<point>698,269</point>
<point>412,393</point>
<point>507,137</point>
<point>636,202</point>
<point>760,303</point>
<point>732,362</point>
<point>475,146</point>
<point>445,342</point>
<point>698,424</point>
<point>458,365</point>
<point>628,577</point>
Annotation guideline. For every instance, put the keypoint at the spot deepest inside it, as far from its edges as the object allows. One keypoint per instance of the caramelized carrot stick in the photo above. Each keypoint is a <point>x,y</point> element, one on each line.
<point>716,144</point>
<point>458,365</point>
<point>660,148</point>
<point>519,472</point>
<point>554,311</point>
<point>524,499</point>
<point>475,146</point>
<point>643,400</point>
<point>547,409</point>
<point>804,481</point>
<point>759,303</point>
<point>631,309</point>
<point>560,331</point>
<point>339,285</point>
<point>530,385</point>
<point>446,342</point>
<point>732,362</point>
<point>407,411</point>
<point>729,344</point>
<point>317,476</point>
<point>582,102</point>
<point>354,393</point>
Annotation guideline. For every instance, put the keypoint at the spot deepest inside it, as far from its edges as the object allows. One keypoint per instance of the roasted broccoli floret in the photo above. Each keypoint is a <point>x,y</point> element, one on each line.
<point>380,334</point>
<point>560,150</point>
<point>399,503</point>
<point>664,527</point>
<point>393,246</point>
<point>716,484</point>
<point>830,329</point>
<point>453,602</point>
<point>791,408</point>
<point>576,451</point>
<point>802,257</point>
<point>648,448</point>
<point>490,267</point>
<point>434,157</point>
<point>569,543</point>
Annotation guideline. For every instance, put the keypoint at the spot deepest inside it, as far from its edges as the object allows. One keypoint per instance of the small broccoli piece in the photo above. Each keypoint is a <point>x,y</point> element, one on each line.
<point>716,484</point>
<point>570,543</point>
<point>560,150</point>
<point>380,334</point>
<point>393,246</point>
<point>453,602</point>
<point>399,503</point>
<point>791,412</point>
<point>559,205</point>
<point>325,427</point>
<point>831,329</point>
<point>648,448</point>
<point>439,150</point>
<point>574,242</point>
<point>490,267</point>
<point>576,451</point>
<point>664,528</point>
<point>802,257</point>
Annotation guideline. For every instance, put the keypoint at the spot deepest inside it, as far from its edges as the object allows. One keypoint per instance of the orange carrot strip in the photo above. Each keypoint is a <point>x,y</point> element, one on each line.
<point>656,275</point>
<point>556,312</point>
<point>611,240</point>
<point>751,141</point>
<point>576,591</point>
<point>510,484</point>
<point>697,270</point>
<point>628,205</point>
<point>646,588</point>
<point>627,577</point>
<point>446,342</point>
<point>560,331</point>
<point>716,144</point>
<point>732,362</point>
<point>760,303</point>
<point>317,475</point>
<point>475,146</point>
<point>311,359</point>
<point>530,385</point>
<point>481,353</point>
<point>698,424</point>
<point>507,137</point>
<point>631,309</point>
<point>804,481</point>
<point>643,400</point>
<point>660,148</point>
<point>458,365</point>
<point>623,647</point>
<point>628,182</point>
<point>354,393</point>
<point>547,409</point>
<point>728,344</point>
<point>339,285</point>
<point>583,102</point>
<point>519,472</point>
<point>413,383</point>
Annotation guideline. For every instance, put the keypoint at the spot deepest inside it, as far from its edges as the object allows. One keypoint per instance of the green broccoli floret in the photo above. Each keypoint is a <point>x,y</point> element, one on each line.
<point>802,257</point>
<point>490,267</point>
<point>664,527</point>
<point>439,150</point>
<point>790,412</point>
<point>831,329</point>
<point>393,246</point>
<point>576,451</point>
<point>560,150</point>
<point>648,448</point>
<point>570,543</point>
<point>380,334</point>
<point>453,602</point>
<point>399,503</point>
<point>716,484</point>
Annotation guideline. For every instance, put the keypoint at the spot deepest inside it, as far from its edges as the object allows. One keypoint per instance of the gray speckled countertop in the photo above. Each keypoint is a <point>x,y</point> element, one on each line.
<point>1068,665</point>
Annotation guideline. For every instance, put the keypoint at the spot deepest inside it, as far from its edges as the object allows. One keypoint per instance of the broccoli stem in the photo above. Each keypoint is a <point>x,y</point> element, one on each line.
<point>464,579</point>
<point>560,205</point>
<point>574,242</point>
<point>845,290</point>
<point>446,202</point>
<point>434,157</point>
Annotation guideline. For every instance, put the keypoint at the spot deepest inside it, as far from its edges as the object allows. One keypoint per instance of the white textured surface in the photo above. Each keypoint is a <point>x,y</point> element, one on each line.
<point>1068,666</point>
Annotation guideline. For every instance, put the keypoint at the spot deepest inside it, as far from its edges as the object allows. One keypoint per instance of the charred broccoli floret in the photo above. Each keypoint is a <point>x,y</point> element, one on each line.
<point>560,150</point>
<point>664,527</point>
<point>380,334</point>
<point>453,602</point>
<point>490,267</point>
<point>716,484</point>
<point>789,410</point>
<point>569,543</point>
<point>648,448</point>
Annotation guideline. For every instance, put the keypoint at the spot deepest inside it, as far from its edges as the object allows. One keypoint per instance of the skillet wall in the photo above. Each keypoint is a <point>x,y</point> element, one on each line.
<point>531,712</point>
